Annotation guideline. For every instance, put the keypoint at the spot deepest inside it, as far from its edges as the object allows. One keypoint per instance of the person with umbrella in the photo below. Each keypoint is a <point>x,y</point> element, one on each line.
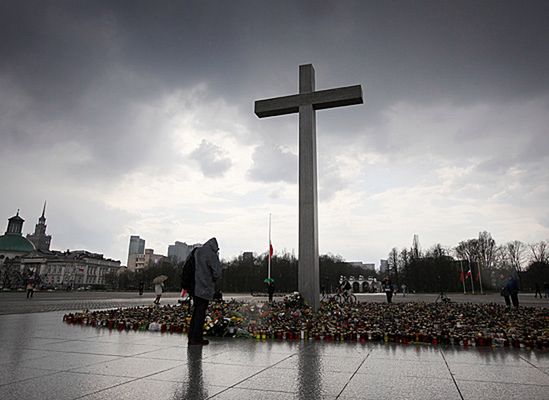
<point>159,287</point>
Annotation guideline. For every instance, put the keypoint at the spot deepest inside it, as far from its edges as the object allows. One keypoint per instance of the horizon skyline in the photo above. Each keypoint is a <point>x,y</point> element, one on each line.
<point>377,263</point>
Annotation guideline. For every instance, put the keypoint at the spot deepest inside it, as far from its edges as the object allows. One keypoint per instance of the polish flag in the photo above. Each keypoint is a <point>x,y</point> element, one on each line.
<point>468,274</point>
<point>271,251</point>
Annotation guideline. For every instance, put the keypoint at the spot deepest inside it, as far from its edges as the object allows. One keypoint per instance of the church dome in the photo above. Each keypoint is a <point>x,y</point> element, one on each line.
<point>15,243</point>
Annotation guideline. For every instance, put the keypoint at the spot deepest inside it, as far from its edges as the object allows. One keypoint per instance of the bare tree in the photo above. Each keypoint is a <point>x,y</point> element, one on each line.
<point>502,266</point>
<point>404,259</point>
<point>468,250</point>
<point>539,252</point>
<point>514,252</point>
<point>486,253</point>
<point>437,251</point>
<point>393,262</point>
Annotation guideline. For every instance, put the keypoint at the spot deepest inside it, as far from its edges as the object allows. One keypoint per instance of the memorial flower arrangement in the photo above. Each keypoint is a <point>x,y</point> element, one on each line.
<point>465,324</point>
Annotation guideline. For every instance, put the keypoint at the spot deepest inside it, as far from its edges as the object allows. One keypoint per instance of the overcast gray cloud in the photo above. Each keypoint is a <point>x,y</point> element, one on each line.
<point>273,164</point>
<point>210,158</point>
<point>100,101</point>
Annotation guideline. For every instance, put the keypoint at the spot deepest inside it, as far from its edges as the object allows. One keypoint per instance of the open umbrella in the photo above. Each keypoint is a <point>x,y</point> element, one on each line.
<point>160,279</point>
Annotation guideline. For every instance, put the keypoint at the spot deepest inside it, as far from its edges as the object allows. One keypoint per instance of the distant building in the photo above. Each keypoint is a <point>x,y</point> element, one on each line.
<point>136,247</point>
<point>19,256</point>
<point>248,256</point>
<point>12,243</point>
<point>383,266</point>
<point>70,268</point>
<point>136,261</point>
<point>179,251</point>
<point>39,238</point>
<point>365,266</point>
<point>152,259</point>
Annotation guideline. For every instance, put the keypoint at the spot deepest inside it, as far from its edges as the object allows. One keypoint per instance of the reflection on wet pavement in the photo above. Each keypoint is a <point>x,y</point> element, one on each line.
<point>42,358</point>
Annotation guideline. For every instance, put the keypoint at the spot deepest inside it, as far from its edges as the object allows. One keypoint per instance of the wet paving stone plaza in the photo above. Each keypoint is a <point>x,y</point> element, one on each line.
<point>43,358</point>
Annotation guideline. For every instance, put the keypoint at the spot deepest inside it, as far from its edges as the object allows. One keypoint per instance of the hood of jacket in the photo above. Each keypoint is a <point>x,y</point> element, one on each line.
<point>212,244</point>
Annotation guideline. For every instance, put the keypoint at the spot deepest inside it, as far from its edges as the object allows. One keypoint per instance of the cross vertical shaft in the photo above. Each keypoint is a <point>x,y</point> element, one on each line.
<point>306,103</point>
<point>308,268</point>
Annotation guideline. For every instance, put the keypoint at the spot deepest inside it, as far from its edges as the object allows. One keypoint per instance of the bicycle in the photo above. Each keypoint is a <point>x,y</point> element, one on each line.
<point>345,297</point>
<point>443,298</point>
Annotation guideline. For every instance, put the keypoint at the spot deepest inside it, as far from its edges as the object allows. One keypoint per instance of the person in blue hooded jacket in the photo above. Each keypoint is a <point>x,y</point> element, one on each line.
<point>207,273</point>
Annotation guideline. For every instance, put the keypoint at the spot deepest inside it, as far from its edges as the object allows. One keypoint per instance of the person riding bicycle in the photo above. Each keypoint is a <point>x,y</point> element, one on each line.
<point>345,287</point>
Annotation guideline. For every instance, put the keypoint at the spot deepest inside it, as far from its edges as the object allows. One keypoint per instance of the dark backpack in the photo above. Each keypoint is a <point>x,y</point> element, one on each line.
<point>187,274</point>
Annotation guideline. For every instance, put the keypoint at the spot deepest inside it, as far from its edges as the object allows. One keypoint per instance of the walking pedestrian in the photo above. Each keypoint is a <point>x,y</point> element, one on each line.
<point>505,293</point>
<point>546,289</point>
<point>514,289</point>
<point>158,289</point>
<point>207,272</point>
<point>388,288</point>
<point>538,291</point>
<point>30,287</point>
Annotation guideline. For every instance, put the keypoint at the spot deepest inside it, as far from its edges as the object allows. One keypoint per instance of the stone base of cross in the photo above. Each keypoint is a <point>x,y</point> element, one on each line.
<point>306,103</point>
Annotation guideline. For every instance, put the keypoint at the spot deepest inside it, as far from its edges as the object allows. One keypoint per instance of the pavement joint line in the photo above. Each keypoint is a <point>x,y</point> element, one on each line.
<point>251,376</point>
<point>91,354</point>
<point>505,383</point>
<point>33,377</point>
<point>533,365</point>
<point>354,374</point>
<point>451,374</point>
<point>131,379</point>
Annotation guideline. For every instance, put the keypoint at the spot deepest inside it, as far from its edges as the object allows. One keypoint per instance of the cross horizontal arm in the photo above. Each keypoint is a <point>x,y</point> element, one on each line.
<point>345,96</point>
<point>320,100</point>
<point>277,106</point>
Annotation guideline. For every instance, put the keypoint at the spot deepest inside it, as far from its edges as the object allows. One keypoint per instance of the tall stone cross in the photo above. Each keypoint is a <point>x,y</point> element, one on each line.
<point>306,103</point>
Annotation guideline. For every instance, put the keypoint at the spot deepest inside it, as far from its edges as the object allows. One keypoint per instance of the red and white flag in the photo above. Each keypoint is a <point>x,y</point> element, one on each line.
<point>271,251</point>
<point>468,274</point>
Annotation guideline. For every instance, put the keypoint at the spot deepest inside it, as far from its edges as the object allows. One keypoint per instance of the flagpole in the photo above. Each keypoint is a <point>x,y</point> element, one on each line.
<point>462,280</point>
<point>269,251</point>
<point>480,279</point>
<point>471,275</point>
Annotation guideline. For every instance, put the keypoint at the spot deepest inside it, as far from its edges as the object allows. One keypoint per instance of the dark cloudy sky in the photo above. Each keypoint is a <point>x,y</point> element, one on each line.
<point>134,117</point>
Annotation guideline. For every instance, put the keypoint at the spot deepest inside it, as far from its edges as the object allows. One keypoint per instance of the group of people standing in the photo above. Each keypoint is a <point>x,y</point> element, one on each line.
<point>510,292</point>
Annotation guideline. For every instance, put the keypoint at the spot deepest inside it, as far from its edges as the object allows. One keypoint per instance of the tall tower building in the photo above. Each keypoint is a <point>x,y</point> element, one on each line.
<point>137,247</point>
<point>39,238</point>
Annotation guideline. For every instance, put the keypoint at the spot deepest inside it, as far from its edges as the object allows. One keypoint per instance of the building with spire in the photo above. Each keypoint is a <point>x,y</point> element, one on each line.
<point>39,238</point>
<point>58,269</point>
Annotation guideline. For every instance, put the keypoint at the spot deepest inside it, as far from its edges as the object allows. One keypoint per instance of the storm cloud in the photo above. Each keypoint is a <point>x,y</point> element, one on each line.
<point>119,108</point>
